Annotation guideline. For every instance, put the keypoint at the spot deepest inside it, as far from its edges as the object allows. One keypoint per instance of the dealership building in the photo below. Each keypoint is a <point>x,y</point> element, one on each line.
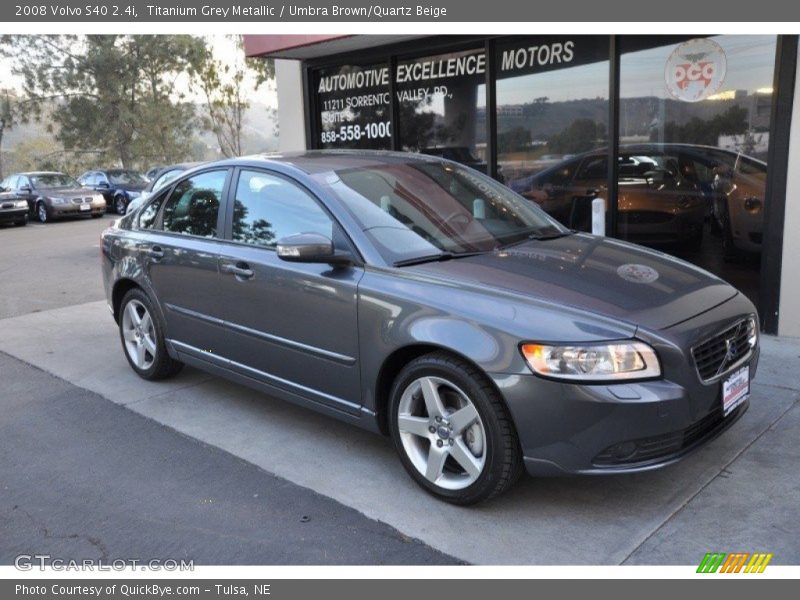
<point>688,141</point>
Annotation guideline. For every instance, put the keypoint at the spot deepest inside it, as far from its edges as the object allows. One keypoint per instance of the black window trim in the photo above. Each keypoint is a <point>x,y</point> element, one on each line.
<point>231,197</point>
<point>158,226</point>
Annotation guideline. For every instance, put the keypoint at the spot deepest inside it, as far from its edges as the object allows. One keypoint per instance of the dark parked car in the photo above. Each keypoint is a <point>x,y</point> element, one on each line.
<point>52,195</point>
<point>12,208</point>
<point>419,298</point>
<point>160,178</point>
<point>118,186</point>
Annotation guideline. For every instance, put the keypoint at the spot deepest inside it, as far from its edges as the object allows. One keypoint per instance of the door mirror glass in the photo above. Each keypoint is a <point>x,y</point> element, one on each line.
<point>103,184</point>
<point>310,248</point>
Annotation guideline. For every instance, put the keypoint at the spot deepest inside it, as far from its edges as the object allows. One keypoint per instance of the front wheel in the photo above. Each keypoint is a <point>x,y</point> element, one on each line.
<point>22,222</point>
<point>120,205</point>
<point>452,430</point>
<point>42,212</point>
<point>143,338</point>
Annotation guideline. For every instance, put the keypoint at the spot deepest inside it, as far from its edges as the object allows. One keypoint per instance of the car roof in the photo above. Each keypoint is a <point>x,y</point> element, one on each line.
<point>312,162</point>
<point>34,173</point>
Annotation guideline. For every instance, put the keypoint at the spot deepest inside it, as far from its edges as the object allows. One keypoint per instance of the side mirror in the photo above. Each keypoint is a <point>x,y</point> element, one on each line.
<point>26,189</point>
<point>311,248</point>
<point>104,185</point>
<point>658,177</point>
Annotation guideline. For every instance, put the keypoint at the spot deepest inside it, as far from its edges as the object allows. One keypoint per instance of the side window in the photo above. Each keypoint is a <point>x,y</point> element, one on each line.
<point>193,206</point>
<point>593,168</point>
<point>268,208</point>
<point>10,183</point>
<point>147,218</point>
<point>166,178</point>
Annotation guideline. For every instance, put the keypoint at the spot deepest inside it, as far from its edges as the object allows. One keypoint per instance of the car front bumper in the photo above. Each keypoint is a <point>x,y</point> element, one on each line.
<point>74,210</point>
<point>567,428</point>
<point>8,215</point>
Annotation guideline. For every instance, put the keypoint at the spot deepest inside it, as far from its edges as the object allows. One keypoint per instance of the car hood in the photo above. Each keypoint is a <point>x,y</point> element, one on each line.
<point>67,192</point>
<point>600,275</point>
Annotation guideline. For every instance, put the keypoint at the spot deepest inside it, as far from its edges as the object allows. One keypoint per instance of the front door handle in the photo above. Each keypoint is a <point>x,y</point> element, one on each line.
<point>156,252</point>
<point>240,269</point>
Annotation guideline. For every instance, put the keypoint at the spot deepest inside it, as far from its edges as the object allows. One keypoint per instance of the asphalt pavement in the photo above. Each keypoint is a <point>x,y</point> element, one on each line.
<point>197,446</point>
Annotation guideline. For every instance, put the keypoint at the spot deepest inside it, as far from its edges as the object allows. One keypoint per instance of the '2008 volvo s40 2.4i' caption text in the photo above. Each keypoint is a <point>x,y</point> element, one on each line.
<point>421,299</point>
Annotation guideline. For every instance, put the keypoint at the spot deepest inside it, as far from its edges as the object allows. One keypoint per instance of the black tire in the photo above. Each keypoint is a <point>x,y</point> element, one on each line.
<point>120,204</point>
<point>22,222</point>
<point>503,458</point>
<point>43,213</point>
<point>163,365</point>
<point>97,216</point>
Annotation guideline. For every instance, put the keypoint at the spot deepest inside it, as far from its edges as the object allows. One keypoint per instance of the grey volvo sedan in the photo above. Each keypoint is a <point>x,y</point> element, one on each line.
<point>423,300</point>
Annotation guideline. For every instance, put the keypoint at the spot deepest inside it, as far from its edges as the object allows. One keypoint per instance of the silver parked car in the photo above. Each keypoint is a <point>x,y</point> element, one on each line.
<point>418,298</point>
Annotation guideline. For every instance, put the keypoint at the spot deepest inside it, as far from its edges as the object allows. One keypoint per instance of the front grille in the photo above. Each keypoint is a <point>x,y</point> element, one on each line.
<point>727,348</point>
<point>662,447</point>
<point>8,205</point>
<point>81,200</point>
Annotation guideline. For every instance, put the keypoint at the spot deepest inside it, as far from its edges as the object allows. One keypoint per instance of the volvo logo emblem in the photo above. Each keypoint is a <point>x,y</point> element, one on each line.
<point>731,350</point>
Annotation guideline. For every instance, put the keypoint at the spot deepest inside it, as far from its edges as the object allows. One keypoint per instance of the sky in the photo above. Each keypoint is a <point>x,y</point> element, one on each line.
<point>224,49</point>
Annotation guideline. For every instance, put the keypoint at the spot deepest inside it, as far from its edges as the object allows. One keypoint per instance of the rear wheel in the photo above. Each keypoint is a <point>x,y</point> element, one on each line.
<point>452,430</point>
<point>142,338</point>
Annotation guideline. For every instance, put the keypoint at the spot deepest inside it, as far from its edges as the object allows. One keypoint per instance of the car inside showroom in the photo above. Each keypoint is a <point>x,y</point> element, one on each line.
<point>685,139</point>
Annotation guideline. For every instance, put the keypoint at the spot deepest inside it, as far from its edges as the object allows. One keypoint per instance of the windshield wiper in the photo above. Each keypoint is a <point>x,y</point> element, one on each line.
<point>538,237</point>
<point>550,236</point>
<point>418,260</point>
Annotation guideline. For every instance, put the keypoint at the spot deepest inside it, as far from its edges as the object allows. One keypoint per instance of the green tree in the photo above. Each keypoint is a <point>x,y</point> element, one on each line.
<point>225,88</point>
<point>705,131</point>
<point>581,135</point>
<point>114,92</point>
<point>516,139</point>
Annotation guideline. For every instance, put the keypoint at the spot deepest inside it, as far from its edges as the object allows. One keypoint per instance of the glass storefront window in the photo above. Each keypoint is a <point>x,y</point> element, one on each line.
<point>552,122</point>
<point>694,133</point>
<point>442,106</point>
<point>353,104</point>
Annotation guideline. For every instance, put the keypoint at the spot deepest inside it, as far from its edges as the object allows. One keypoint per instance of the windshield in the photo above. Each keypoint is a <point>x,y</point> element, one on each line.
<point>418,209</point>
<point>126,178</point>
<point>53,180</point>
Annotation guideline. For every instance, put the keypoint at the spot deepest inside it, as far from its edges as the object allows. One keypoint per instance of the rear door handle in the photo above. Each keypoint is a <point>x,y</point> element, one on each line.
<point>240,269</point>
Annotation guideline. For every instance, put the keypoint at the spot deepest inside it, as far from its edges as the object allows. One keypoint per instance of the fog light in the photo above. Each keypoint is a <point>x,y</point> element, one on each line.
<point>623,450</point>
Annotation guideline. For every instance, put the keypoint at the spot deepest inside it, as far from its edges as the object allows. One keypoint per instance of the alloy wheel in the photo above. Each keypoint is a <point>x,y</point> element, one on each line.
<point>442,433</point>
<point>138,332</point>
<point>120,205</point>
<point>42,212</point>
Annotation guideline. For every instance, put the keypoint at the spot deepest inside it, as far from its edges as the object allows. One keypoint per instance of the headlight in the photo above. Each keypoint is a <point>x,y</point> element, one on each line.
<point>58,200</point>
<point>593,362</point>
<point>21,204</point>
<point>98,198</point>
